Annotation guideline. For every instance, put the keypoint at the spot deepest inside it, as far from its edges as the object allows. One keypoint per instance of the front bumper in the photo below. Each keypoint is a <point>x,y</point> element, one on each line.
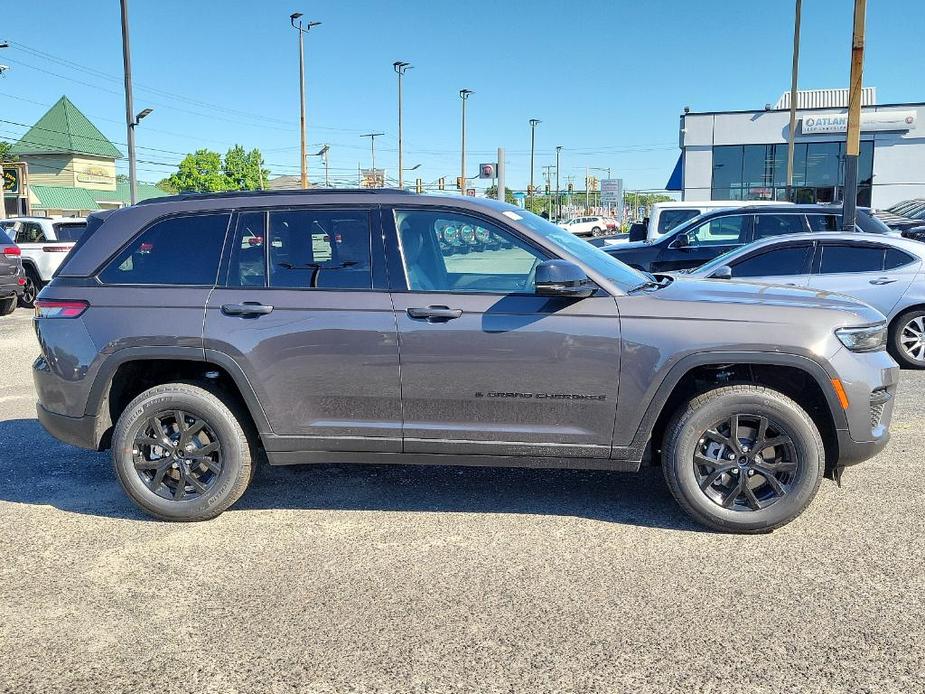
<point>82,432</point>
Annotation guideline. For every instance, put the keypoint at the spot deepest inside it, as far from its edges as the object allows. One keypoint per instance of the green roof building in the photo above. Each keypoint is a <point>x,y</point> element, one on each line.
<point>72,165</point>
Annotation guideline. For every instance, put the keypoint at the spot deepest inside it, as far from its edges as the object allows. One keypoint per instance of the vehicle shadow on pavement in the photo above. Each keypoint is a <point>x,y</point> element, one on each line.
<point>36,469</point>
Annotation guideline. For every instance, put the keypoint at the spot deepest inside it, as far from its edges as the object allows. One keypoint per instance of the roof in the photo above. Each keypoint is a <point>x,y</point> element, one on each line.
<point>65,130</point>
<point>286,183</point>
<point>64,198</point>
<point>864,109</point>
<point>369,192</point>
<point>122,194</point>
<point>826,98</point>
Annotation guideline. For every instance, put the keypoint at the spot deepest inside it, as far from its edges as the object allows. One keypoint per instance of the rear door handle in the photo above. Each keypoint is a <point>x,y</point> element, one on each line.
<point>882,280</point>
<point>246,309</point>
<point>435,314</point>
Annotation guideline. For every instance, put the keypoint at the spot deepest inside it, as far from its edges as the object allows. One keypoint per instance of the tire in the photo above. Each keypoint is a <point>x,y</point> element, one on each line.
<point>218,489</point>
<point>8,305</point>
<point>907,326</point>
<point>31,289</point>
<point>798,470</point>
<point>596,231</point>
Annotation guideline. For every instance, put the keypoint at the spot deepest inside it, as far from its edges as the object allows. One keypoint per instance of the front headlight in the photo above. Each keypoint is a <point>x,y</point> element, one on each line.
<point>867,338</point>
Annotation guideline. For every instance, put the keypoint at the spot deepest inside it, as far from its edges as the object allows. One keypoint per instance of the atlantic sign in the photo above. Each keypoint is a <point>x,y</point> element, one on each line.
<point>838,122</point>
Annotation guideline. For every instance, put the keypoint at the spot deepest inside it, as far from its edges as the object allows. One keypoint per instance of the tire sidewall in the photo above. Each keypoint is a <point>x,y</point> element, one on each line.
<point>783,413</point>
<point>222,423</point>
<point>8,305</point>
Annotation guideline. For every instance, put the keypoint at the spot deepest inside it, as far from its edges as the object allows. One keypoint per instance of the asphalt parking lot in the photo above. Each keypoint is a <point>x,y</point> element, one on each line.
<point>404,579</point>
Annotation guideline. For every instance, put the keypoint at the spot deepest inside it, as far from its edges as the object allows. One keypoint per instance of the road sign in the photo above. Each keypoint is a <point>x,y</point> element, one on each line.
<point>470,192</point>
<point>488,170</point>
<point>611,190</point>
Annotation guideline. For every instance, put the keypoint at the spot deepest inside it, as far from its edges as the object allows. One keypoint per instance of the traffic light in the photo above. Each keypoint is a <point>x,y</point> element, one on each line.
<point>441,183</point>
<point>419,185</point>
<point>460,183</point>
<point>547,189</point>
<point>569,187</point>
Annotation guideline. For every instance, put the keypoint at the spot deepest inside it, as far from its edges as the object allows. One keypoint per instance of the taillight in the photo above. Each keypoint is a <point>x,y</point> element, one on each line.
<point>52,308</point>
<point>11,251</point>
<point>56,249</point>
<point>21,281</point>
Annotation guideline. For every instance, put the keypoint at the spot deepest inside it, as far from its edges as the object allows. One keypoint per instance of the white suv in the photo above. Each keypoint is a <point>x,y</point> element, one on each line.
<point>585,226</point>
<point>44,242</point>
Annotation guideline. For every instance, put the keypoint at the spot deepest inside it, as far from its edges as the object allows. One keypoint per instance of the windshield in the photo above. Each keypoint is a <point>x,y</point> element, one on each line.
<point>622,275</point>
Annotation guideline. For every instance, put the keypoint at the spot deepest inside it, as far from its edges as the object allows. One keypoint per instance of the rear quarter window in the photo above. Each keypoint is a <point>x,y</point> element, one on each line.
<point>175,251</point>
<point>69,231</point>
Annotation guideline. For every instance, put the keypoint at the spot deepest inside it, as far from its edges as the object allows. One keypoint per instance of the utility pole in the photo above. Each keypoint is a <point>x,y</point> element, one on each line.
<point>587,191</point>
<point>547,172</point>
<point>372,146</point>
<point>464,96</point>
<point>400,68</point>
<point>323,153</point>
<point>129,106</point>
<point>533,123</point>
<point>501,190</point>
<point>3,44</point>
<point>303,157</point>
<point>853,146</point>
<point>558,199</point>
<point>791,135</point>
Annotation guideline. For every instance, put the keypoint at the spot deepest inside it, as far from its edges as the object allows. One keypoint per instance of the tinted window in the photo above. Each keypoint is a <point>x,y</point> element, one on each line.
<point>669,219</point>
<point>453,252</point>
<point>720,230</point>
<point>247,264</point>
<point>69,231</point>
<point>837,259</point>
<point>824,222</point>
<point>870,224</point>
<point>320,249</point>
<point>895,258</point>
<point>791,260</point>
<point>179,250</point>
<point>30,232</point>
<point>778,224</point>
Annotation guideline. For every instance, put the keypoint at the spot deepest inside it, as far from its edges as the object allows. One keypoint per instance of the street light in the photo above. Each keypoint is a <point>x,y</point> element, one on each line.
<point>400,68</point>
<point>323,153</point>
<point>464,96</point>
<point>372,146</point>
<point>533,123</point>
<point>144,113</point>
<point>413,168</point>
<point>293,18</point>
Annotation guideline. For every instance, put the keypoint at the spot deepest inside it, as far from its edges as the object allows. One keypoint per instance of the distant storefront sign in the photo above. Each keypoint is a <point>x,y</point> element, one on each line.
<point>372,178</point>
<point>11,180</point>
<point>871,121</point>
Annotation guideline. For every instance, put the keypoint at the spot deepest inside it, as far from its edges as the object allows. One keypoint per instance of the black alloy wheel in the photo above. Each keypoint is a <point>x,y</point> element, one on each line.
<point>745,463</point>
<point>177,455</point>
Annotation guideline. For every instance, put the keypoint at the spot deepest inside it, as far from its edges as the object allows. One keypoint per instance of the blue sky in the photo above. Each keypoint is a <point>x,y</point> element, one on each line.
<point>608,79</point>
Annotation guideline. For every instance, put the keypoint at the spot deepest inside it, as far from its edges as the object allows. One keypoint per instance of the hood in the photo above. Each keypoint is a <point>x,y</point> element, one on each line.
<point>779,300</point>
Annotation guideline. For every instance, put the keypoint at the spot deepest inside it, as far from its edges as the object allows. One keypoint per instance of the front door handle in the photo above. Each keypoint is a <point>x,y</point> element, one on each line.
<point>882,280</point>
<point>434,314</point>
<point>246,309</point>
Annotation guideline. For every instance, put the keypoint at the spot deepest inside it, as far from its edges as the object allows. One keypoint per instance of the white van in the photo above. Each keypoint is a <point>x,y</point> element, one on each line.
<point>665,216</point>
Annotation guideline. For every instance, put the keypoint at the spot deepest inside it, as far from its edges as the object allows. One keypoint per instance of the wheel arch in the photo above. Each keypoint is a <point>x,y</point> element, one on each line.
<point>130,371</point>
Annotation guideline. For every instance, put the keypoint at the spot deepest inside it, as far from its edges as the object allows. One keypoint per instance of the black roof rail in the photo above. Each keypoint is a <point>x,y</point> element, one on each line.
<point>272,193</point>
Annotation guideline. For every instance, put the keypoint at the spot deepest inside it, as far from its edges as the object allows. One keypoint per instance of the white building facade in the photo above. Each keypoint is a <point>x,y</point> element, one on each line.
<point>742,155</point>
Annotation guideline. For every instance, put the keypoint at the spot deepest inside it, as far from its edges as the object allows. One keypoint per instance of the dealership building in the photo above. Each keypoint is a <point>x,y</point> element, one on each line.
<point>742,155</point>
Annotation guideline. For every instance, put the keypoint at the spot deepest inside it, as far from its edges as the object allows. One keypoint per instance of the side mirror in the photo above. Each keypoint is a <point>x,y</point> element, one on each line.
<point>562,278</point>
<point>681,240</point>
<point>723,272</point>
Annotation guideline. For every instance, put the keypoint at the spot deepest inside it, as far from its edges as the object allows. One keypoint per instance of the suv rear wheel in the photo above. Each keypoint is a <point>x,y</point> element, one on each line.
<point>743,459</point>
<point>180,453</point>
<point>30,290</point>
<point>906,341</point>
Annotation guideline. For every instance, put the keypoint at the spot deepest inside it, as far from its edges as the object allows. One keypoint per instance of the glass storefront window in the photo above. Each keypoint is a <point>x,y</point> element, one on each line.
<point>727,167</point>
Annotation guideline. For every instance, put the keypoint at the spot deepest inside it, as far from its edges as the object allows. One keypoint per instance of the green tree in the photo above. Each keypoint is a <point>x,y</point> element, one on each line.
<point>244,170</point>
<point>200,172</point>
<point>5,155</point>
<point>492,192</point>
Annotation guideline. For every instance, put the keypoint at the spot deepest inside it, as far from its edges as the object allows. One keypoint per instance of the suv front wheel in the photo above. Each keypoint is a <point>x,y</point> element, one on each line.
<point>180,453</point>
<point>743,458</point>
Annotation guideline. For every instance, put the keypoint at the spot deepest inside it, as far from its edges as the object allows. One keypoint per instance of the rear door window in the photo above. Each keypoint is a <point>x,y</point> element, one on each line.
<point>843,258</point>
<point>174,251</point>
<point>778,224</point>
<point>69,231</point>
<point>824,222</point>
<point>895,258</point>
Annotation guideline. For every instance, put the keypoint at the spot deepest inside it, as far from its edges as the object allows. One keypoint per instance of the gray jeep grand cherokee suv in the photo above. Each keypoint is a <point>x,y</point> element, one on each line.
<point>195,335</point>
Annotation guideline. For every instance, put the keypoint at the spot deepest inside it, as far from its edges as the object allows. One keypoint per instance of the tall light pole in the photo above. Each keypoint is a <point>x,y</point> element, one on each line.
<point>302,29</point>
<point>464,96</point>
<point>558,199</point>
<point>129,106</point>
<point>372,146</point>
<point>853,145</point>
<point>533,123</point>
<point>794,72</point>
<point>400,68</point>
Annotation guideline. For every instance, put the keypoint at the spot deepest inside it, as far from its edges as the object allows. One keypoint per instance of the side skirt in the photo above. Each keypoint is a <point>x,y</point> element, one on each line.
<point>379,458</point>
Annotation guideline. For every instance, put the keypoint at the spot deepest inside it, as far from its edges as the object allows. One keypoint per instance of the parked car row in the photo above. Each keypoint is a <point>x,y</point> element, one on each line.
<point>907,217</point>
<point>44,242</point>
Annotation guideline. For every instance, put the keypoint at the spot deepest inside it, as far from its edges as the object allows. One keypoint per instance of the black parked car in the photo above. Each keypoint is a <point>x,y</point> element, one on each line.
<point>703,238</point>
